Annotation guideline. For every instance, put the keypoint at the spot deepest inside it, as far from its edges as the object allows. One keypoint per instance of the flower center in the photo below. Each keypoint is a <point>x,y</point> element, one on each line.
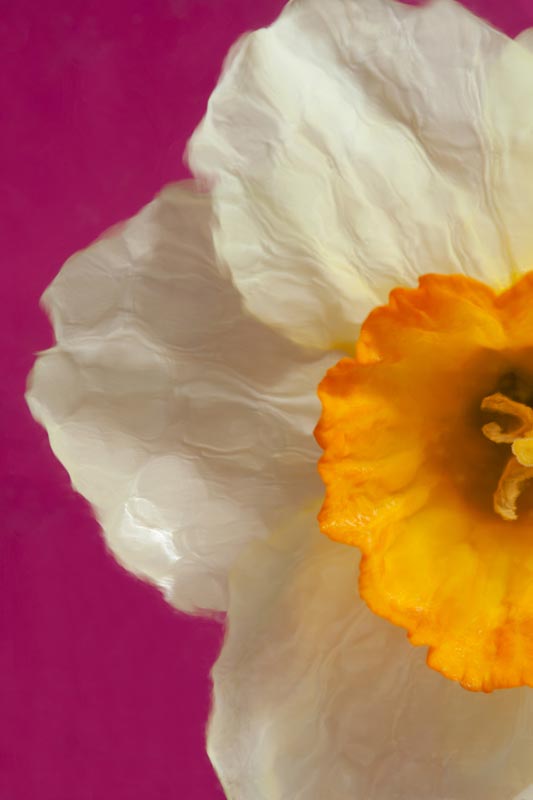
<point>413,474</point>
<point>519,467</point>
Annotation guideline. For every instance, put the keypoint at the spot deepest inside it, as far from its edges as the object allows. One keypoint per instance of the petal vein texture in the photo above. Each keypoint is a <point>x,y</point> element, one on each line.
<point>356,145</point>
<point>185,423</point>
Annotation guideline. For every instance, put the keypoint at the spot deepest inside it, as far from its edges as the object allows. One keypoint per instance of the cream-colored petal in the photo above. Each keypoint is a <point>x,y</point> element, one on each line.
<point>509,118</point>
<point>315,697</point>
<point>348,150</point>
<point>186,423</point>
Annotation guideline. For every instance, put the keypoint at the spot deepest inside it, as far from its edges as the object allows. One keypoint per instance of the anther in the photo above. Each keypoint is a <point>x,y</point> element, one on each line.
<point>518,469</point>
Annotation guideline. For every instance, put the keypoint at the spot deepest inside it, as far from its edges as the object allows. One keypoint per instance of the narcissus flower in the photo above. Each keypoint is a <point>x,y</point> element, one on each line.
<point>365,163</point>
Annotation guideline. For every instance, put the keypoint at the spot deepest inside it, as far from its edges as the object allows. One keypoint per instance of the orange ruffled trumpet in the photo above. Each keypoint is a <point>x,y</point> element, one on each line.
<point>426,442</point>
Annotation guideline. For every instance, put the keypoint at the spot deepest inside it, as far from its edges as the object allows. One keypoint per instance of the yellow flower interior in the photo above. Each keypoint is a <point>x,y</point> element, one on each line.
<point>417,478</point>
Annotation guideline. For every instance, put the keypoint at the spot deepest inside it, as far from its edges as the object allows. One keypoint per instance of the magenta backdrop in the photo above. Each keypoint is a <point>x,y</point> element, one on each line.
<point>104,690</point>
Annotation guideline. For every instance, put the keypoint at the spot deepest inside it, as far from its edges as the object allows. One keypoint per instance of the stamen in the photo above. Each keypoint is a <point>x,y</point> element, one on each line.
<point>518,469</point>
<point>501,404</point>
<point>510,485</point>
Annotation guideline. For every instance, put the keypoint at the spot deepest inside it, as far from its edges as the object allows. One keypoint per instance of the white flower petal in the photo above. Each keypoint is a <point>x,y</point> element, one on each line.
<point>509,116</point>
<point>316,697</point>
<point>349,152</point>
<point>185,422</point>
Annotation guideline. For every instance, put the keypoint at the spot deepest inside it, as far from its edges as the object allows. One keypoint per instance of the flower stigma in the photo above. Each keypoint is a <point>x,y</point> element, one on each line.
<point>427,435</point>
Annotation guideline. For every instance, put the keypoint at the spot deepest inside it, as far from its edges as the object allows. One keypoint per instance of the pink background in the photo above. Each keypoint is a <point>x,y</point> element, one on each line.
<point>104,690</point>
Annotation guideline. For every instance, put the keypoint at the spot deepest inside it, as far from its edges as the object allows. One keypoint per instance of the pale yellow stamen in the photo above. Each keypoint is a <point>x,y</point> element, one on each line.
<point>519,468</point>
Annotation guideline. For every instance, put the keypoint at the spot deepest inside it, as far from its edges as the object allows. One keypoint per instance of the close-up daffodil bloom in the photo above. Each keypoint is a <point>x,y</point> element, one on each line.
<point>298,389</point>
